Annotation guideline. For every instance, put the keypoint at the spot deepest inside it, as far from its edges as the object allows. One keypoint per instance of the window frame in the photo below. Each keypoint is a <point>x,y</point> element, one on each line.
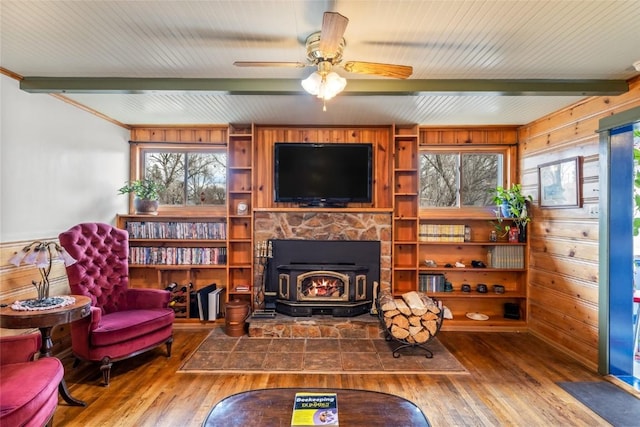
<point>509,154</point>
<point>136,171</point>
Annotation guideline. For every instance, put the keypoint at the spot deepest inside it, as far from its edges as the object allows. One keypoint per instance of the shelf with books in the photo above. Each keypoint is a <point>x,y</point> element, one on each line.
<point>462,252</point>
<point>182,250</point>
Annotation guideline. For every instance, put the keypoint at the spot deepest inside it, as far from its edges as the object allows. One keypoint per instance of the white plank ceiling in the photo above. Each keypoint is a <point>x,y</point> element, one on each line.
<point>462,40</point>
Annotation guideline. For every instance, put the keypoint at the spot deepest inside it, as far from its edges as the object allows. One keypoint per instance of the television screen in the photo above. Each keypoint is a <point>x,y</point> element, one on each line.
<point>323,174</point>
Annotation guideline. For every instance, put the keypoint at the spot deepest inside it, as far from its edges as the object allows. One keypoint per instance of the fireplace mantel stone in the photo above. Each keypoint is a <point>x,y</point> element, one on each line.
<point>329,225</point>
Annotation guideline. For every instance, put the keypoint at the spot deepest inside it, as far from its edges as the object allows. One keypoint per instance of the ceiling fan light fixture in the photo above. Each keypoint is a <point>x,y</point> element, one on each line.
<point>324,86</point>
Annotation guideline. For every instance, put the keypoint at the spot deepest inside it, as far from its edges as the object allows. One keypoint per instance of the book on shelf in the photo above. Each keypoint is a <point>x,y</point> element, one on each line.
<point>214,303</point>
<point>507,256</point>
<point>315,409</point>
<point>177,256</point>
<point>242,288</point>
<point>177,230</point>
<point>441,233</point>
<point>202,296</point>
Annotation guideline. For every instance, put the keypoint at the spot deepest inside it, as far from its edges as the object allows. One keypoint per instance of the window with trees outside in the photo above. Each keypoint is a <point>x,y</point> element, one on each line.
<point>460,179</point>
<point>188,177</point>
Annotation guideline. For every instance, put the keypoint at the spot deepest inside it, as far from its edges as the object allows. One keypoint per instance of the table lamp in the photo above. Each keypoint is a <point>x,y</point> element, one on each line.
<point>41,255</point>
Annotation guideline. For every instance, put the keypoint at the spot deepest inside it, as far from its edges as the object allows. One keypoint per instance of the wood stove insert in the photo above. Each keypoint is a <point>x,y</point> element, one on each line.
<point>308,277</point>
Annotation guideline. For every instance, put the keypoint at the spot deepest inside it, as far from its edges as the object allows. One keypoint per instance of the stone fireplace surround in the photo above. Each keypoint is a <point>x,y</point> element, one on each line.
<point>328,225</point>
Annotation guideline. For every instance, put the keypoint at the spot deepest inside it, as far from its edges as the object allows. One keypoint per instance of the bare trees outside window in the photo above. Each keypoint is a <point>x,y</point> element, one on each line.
<point>459,179</point>
<point>188,177</point>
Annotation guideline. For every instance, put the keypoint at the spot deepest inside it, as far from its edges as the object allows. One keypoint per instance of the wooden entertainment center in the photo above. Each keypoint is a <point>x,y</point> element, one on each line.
<point>395,192</point>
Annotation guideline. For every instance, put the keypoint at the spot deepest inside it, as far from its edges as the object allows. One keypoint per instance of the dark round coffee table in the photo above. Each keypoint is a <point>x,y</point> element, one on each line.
<point>273,407</point>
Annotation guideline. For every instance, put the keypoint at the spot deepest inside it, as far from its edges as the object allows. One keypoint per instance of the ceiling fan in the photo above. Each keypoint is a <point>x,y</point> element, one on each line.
<point>324,51</point>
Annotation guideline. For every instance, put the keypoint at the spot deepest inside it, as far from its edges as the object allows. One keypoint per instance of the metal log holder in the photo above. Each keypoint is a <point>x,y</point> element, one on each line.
<point>404,344</point>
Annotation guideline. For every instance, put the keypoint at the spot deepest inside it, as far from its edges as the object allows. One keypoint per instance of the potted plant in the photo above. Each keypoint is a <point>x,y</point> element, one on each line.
<point>147,195</point>
<point>512,204</point>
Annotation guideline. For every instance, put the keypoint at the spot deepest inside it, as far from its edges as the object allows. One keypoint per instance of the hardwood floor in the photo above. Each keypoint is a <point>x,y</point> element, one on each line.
<point>511,382</point>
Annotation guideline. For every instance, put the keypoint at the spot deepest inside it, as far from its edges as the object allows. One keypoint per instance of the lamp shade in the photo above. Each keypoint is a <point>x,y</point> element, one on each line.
<point>324,87</point>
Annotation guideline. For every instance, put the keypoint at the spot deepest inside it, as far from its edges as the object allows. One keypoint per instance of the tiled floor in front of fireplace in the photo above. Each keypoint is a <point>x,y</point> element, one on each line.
<point>221,353</point>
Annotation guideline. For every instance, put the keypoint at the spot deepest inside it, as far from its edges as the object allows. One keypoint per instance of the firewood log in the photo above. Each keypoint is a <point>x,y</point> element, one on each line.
<point>418,311</point>
<point>422,336</point>
<point>387,302</point>
<point>413,300</point>
<point>403,307</point>
<point>429,303</point>
<point>401,321</point>
<point>429,316</point>
<point>398,332</point>
<point>390,313</point>
<point>414,320</point>
<point>388,321</point>
<point>415,330</point>
<point>431,326</point>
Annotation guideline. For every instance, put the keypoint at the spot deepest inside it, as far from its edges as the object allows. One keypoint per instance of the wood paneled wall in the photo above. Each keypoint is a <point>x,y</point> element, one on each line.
<point>380,137</point>
<point>563,267</point>
<point>15,284</point>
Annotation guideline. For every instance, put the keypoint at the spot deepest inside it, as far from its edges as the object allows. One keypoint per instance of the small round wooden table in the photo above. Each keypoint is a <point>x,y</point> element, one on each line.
<point>274,406</point>
<point>45,320</point>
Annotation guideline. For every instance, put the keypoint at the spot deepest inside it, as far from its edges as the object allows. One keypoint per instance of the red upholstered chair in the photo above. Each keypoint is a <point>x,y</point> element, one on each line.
<point>28,388</point>
<point>124,322</point>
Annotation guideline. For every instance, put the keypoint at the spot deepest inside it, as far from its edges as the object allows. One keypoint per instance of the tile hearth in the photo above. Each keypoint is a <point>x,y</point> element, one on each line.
<point>322,326</point>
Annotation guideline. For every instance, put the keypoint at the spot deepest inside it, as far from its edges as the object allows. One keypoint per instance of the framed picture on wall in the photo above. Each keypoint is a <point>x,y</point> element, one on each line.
<point>559,184</point>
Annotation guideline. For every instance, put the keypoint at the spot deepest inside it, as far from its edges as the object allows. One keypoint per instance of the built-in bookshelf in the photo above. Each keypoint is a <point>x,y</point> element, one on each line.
<point>434,248</point>
<point>180,253</point>
<point>240,212</point>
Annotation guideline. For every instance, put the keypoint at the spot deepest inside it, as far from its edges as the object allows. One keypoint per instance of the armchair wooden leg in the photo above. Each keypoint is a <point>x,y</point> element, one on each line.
<point>169,342</point>
<point>105,367</point>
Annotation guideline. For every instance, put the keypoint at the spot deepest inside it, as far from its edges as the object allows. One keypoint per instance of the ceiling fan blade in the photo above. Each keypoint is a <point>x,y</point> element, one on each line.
<point>269,64</point>
<point>387,70</point>
<point>333,28</point>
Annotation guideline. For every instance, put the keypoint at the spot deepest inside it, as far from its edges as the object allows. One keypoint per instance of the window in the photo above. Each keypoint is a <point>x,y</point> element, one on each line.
<point>455,179</point>
<point>189,177</point>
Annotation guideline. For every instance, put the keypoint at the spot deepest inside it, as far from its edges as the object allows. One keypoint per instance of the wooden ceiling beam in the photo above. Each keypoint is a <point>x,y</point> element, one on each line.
<point>360,87</point>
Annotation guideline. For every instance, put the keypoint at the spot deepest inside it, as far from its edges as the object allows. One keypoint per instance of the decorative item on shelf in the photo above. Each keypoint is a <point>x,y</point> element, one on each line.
<point>481,288</point>
<point>511,311</point>
<point>467,233</point>
<point>477,316</point>
<point>243,208</point>
<point>465,287</point>
<point>512,205</point>
<point>478,264</point>
<point>448,287</point>
<point>41,254</point>
<point>147,195</point>
<point>498,289</point>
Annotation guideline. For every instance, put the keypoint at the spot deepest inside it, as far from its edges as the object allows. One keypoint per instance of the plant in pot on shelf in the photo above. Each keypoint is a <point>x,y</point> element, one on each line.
<point>146,195</point>
<point>512,204</point>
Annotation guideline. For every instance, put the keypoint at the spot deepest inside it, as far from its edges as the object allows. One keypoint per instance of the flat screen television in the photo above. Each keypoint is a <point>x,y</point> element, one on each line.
<point>323,174</point>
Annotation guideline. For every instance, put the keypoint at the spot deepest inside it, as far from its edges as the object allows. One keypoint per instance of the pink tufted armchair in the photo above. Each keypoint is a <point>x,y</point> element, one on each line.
<point>123,322</point>
<point>28,388</point>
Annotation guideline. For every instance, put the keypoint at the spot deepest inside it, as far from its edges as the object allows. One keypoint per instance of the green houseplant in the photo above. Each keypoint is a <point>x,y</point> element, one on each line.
<point>511,204</point>
<point>146,193</point>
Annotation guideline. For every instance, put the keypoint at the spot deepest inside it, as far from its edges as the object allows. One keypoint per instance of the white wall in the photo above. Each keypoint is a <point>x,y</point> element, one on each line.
<point>59,165</point>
